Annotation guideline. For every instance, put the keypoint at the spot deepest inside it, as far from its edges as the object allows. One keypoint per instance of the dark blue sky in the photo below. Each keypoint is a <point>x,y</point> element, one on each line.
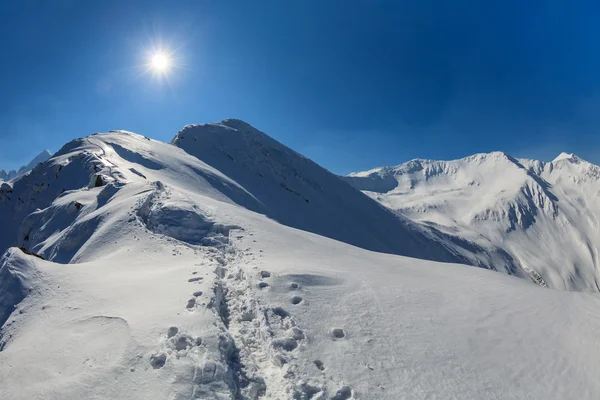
<point>352,85</point>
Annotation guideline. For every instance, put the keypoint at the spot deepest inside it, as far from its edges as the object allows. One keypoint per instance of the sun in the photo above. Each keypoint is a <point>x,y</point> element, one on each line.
<point>160,62</point>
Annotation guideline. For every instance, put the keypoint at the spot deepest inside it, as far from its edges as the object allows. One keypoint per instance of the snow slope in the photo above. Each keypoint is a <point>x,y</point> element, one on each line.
<point>297,192</point>
<point>7,176</point>
<point>166,277</point>
<point>543,214</point>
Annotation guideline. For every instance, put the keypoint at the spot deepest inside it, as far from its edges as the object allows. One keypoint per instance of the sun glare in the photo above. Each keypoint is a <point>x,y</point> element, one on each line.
<point>160,62</point>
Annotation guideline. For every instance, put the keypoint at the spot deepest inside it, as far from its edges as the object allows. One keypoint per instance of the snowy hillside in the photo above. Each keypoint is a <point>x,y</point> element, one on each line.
<point>297,192</point>
<point>7,176</point>
<point>227,266</point>
<point>543,214</point>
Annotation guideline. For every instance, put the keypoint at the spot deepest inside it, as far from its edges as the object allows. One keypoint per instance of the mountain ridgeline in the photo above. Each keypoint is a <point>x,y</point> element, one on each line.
<point>544,215</point>
<point>526,218</point>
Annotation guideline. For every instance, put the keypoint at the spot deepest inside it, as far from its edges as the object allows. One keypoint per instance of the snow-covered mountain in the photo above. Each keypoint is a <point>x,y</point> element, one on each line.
<point>226,266</point>
<point>241,165</point>
<point>543,214</point>
<point>295,191</point>
<point>7,176</point>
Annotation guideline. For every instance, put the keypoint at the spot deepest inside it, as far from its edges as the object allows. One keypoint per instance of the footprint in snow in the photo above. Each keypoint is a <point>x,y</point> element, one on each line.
<point>319,365</point>
<point>296,300</point>
<point>191,303</point>
<point>265,274</point>
<point>338,333</point>
<point>287,344</point>
<point>262,285</point>
<point>297,334</point>
<point>178,343</point>
<point>158,360</point>
<point>279,311</point>
<point>172,331</point>
<point>343,394</point>
<point>306,391</point>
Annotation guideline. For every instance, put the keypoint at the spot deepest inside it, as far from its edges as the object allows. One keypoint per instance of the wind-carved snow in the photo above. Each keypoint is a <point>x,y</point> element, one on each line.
<point>230,267</point>
<point>179,219</point>
<point>544,215</point>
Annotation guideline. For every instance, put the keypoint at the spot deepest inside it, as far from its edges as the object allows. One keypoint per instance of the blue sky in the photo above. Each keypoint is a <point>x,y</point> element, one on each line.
<point>352,85</point>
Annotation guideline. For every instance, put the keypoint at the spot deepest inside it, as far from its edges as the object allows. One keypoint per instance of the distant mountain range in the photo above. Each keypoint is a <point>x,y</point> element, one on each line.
<point>545,215</point>
<point>7,176</point>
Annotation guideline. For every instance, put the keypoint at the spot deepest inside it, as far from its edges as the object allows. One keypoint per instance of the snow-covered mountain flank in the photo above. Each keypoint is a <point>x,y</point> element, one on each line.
<point>7,176</point>
<point>225,265</point>
<point>543,214</point>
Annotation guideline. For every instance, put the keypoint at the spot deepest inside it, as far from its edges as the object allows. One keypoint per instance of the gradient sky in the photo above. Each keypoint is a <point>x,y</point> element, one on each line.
<point>351,84</point>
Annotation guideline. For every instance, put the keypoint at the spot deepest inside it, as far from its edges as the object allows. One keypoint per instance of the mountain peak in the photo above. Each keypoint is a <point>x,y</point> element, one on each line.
<point>41,157</point>
<point>566,156</point>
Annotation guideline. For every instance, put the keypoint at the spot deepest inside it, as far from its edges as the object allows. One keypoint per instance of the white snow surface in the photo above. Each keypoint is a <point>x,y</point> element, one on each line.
<point>543,214</point>
<point>170,274</point>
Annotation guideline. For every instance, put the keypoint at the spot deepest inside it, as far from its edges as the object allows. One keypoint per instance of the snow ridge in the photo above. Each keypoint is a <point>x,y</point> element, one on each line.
<point>297,192</point>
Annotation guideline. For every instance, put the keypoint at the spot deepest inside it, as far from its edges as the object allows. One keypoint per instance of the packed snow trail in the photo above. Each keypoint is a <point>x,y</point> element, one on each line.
<point>258,344</point>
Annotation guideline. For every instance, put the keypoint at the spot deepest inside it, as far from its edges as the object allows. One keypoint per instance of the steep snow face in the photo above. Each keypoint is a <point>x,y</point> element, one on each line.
<point>40,158</point>
<point>297,192</point>
<point>543,214</point>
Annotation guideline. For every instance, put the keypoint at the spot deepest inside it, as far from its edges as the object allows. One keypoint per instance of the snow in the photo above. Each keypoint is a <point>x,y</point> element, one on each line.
<point>296,192</point>
<point>565,156</point>
<point>542,215</point>
<point>181,273</point>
